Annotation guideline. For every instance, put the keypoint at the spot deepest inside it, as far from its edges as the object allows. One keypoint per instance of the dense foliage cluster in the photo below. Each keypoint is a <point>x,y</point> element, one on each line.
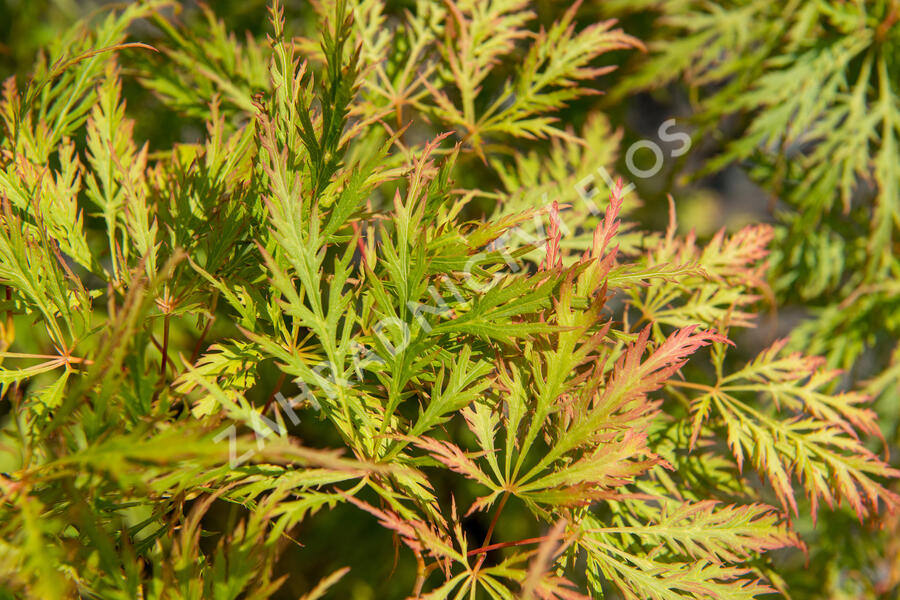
<point>363,309</point>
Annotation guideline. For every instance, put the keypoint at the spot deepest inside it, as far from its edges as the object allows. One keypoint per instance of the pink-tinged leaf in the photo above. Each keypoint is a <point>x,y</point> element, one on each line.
<point>456,460</point>
<point>615,463</point>
<point>416,534</point>
<point>633,377</point>
<point>553,258</point>
<point>794,382</point>
<point>595,276</point>
<point>813,436</point>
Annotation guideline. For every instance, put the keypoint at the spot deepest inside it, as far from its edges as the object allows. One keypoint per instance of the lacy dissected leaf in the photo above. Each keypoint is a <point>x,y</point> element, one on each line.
<point>478,37</point>
<point>817,443</point>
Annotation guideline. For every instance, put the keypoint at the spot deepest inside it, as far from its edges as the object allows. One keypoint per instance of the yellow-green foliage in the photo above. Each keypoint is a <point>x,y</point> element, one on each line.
<point>369,335</point>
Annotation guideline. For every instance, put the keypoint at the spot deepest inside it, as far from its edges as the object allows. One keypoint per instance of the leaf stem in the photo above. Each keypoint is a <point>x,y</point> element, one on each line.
<point>164,349</point>
<point>490,531</point>
<point>499,545</point>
